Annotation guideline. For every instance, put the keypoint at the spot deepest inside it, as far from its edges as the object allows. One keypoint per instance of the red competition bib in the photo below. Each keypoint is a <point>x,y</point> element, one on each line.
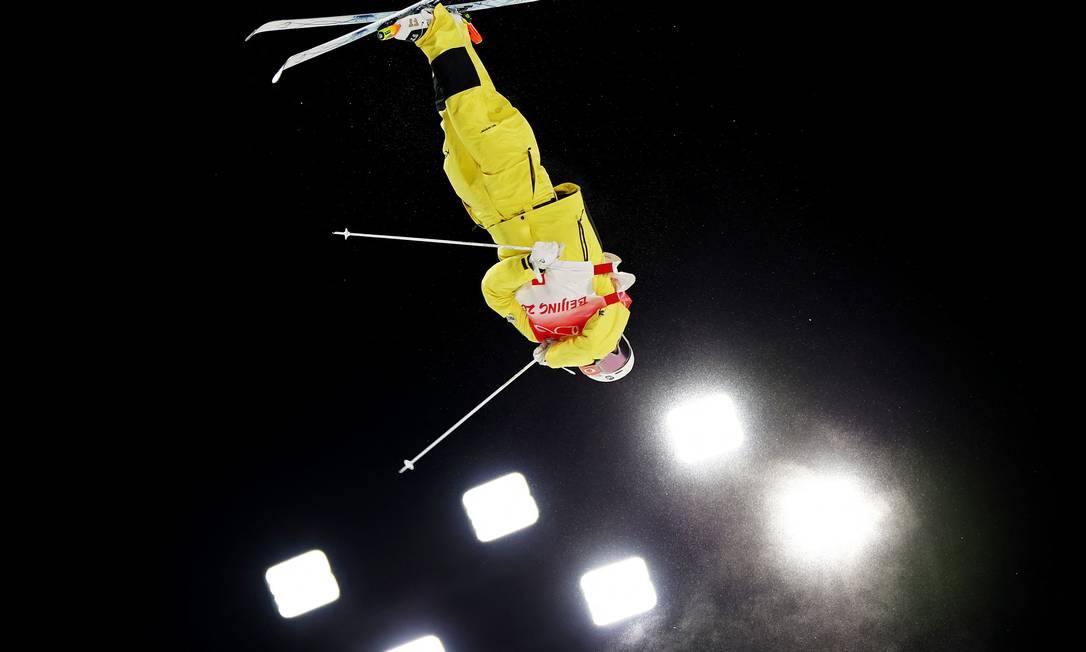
<point>561,305</point>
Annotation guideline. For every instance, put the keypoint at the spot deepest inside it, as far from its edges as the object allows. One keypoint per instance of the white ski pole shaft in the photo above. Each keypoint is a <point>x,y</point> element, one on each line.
<point>409,465</point>
<point>347,234</point>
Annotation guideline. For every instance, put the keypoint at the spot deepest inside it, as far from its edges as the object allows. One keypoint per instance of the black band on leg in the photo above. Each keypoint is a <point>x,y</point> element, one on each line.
<point>453,72</point>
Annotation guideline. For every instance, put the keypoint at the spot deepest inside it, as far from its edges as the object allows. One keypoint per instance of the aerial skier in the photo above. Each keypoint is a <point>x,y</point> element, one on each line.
<point>566,294</point>
<point>552,281</point>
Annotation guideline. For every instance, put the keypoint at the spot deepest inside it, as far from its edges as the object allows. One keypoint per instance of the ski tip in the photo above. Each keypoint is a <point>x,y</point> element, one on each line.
<point>253,34</point>
<point>277,76</point>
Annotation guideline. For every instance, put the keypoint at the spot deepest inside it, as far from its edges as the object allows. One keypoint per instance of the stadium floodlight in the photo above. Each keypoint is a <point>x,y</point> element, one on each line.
<point>826,518</point>
<point>424,644</point>
<point>500,507</point>
<point>302,584</point>
<point>705,428</point>
<point>618,591</point>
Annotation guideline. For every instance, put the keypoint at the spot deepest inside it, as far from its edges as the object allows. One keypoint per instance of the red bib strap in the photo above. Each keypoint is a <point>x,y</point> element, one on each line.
<point>603,268</point>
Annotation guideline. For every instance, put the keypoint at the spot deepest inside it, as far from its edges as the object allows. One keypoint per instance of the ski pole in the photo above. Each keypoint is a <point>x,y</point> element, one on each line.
<point>346,234</point>
<point>409,465</point>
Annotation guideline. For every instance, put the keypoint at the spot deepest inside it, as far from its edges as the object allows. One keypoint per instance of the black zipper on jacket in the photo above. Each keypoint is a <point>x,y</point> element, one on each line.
<point>584,243</point>
<point>531,170</point>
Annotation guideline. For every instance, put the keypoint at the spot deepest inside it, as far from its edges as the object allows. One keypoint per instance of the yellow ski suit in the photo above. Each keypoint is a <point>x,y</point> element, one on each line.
<point>492,161</point>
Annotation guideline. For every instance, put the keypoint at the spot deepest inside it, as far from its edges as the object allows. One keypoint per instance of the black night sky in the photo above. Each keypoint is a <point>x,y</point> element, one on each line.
<point>819,222</point>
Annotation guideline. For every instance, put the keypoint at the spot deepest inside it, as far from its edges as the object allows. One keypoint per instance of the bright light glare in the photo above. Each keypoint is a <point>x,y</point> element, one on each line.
<point>618,591</point>
<point>302,584</point>
<point>705,428</point>
<point>500,507</point>
<point>424,644</point>
<point>827,518</point>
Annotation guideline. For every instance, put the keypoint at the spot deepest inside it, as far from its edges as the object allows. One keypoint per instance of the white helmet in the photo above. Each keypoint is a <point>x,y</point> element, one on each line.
<point>612,366</point>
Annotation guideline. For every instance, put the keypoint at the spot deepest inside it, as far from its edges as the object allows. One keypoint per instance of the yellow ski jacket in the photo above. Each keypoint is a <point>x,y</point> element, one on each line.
<point>492,161</point>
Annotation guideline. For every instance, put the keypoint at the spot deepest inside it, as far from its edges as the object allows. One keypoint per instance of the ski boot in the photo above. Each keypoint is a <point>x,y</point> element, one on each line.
<point>408,28</point>
<point>411,28</point>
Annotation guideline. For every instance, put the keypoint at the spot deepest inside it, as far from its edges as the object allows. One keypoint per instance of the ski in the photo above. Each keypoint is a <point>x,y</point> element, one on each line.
<point>356,19</point>
<point>330,21</point>
<point>375,22</point>
<point>349,37</point>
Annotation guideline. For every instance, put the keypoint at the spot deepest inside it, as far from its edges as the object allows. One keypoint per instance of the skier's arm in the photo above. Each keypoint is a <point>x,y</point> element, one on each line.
<point>500,285</point>
<point>599,337</point>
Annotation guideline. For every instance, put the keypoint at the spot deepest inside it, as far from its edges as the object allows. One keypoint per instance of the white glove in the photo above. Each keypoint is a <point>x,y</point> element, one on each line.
<point>544,254</point>
<point>540,353</point>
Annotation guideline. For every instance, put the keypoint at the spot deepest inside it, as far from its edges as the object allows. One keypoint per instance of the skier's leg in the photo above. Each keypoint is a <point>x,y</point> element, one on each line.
<point>491,155</point>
